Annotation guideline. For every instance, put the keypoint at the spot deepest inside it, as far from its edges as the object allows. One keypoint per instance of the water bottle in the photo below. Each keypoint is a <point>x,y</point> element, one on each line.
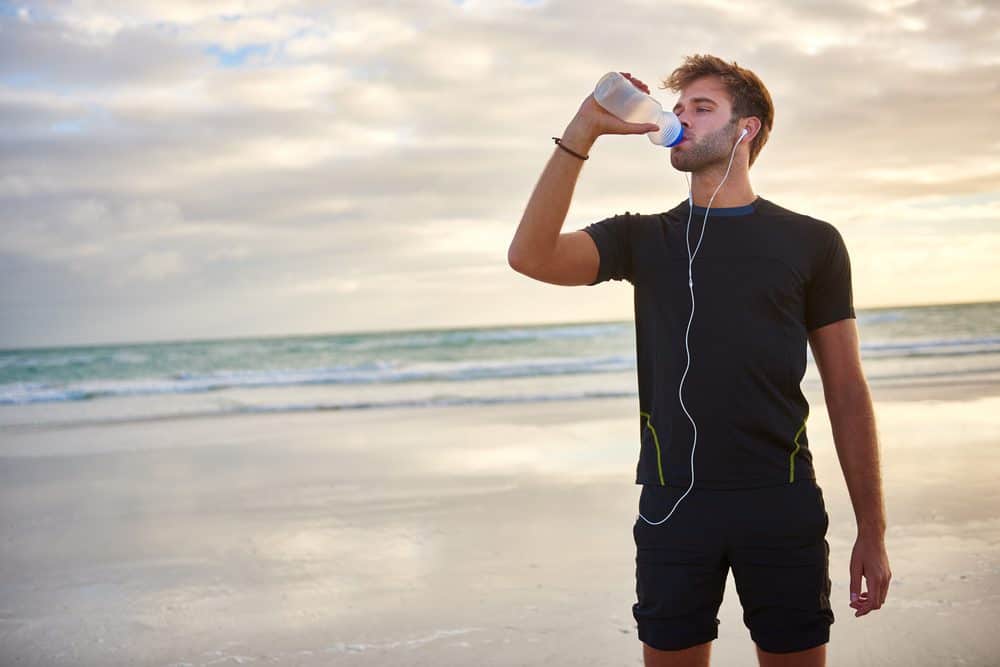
<point>620,97</point>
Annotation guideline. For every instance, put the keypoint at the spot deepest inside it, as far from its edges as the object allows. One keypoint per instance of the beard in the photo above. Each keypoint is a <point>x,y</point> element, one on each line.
<point>711,149</point>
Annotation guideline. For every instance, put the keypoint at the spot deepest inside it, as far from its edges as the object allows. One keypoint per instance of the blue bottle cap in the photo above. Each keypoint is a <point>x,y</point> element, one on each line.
<point>679,139</point>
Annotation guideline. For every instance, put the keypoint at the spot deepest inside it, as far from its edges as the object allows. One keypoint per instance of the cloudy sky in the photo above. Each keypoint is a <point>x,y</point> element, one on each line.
<point>176,169</point>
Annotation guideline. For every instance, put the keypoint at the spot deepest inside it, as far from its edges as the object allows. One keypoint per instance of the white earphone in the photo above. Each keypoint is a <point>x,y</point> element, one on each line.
<point>691,257</point>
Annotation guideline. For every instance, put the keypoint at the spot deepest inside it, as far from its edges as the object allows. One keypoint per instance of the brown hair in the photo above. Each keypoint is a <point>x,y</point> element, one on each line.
<point>748,93</point>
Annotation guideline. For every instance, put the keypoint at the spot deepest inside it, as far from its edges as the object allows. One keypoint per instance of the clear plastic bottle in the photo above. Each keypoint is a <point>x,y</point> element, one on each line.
<point>620,97</point>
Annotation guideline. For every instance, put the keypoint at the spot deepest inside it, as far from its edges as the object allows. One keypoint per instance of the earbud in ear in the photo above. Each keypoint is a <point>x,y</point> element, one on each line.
<point>745,132</point>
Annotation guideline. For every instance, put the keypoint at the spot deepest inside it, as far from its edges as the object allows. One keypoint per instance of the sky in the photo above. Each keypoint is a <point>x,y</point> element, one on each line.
<point>181,169</point>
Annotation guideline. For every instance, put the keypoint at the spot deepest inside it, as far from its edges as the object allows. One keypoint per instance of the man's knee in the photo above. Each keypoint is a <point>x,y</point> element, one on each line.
<point>693,656</point>
<point>811,657</point>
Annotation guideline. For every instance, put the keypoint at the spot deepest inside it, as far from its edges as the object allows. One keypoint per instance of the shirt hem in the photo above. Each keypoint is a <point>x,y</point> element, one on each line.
<point>724,485</point>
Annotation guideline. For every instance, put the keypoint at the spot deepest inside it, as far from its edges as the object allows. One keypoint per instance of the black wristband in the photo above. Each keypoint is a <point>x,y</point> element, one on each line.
<point>572,152</point>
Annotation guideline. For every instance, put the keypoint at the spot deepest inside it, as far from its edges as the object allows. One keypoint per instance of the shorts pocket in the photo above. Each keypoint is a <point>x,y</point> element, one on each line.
<point>655,504</point>
<point>818,506</point>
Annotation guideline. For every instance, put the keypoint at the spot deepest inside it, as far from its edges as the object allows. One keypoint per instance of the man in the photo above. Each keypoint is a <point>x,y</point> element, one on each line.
<point>727,293</point>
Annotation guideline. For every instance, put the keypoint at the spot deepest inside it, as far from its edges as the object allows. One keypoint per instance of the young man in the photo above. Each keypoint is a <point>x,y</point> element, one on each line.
<point>727,294</point>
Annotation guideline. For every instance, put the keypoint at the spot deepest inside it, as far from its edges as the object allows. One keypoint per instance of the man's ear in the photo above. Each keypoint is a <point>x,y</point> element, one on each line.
<point>752,126</point>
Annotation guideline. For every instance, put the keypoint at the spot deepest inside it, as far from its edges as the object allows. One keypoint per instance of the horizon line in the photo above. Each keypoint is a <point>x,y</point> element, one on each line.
<point>417,330</point>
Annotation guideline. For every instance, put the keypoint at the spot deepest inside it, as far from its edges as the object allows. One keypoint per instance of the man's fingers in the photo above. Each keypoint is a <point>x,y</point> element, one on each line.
<point>855,580</point>
<point>863,605</point>
<point>871,599</point>
<point>636,82</point>
<point>869,562</point>
<point>878,588</point>
<point>875,593</point>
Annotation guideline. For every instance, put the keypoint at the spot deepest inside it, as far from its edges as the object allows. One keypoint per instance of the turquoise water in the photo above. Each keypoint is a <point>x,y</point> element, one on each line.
<point>432,367</point>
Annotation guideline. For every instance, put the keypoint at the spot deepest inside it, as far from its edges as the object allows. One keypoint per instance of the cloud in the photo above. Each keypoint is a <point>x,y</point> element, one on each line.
<point>376,159</point>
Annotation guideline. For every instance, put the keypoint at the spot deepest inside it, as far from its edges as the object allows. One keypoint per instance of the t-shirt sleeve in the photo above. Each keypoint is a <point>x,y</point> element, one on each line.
<point>829,296</point>
<point>615,241</point>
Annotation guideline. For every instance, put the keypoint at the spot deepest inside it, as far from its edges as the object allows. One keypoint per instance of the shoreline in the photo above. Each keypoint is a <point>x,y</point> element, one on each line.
<point>925,391</point>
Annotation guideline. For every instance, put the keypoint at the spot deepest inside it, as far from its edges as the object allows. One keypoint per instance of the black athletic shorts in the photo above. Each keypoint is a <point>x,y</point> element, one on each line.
<point>774,538</point>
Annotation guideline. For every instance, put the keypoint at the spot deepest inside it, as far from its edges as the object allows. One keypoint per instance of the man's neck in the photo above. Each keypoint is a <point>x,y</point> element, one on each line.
<point>736,191</point>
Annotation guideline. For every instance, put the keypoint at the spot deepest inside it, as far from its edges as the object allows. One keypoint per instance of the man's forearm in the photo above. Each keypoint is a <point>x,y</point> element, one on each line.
<point>852,419</point>
<point>538,232</point>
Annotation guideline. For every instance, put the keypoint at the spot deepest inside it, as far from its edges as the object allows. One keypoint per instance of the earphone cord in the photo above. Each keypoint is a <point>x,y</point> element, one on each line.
<point>691,290</point>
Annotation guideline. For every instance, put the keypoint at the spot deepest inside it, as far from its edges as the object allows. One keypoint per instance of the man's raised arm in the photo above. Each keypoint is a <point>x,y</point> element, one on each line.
<point>538,250</point>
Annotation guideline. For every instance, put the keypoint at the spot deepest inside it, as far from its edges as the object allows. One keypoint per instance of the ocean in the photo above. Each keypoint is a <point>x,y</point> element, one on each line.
<point>422,368</point>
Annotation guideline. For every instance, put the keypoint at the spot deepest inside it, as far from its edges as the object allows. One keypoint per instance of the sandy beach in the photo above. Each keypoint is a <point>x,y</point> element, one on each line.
<point>496,535</point>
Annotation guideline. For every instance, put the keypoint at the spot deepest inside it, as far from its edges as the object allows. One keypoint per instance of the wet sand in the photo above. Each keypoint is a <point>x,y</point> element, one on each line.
<point>490,535</point>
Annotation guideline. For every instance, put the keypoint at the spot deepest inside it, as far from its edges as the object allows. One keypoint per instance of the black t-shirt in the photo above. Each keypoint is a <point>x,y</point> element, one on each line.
<point>763,277</point>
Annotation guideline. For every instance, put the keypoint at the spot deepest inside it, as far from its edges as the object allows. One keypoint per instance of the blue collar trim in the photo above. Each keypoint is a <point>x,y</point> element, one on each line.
<point>727,212</point>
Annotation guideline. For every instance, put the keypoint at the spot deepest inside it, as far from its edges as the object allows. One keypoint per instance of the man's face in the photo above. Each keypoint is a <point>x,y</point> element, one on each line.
<point>704,109</point>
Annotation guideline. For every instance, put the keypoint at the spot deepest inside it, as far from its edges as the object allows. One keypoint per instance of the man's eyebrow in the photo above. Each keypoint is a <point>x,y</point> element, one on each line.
<point>699,100</point>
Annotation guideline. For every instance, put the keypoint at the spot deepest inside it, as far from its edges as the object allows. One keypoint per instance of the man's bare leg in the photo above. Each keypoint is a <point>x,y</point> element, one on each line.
<point>695,656</point>
<point>813,657</point>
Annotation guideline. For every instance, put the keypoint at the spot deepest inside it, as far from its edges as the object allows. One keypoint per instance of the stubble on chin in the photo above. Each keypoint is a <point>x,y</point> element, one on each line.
<point>696,156</point>
<point>683,160</point>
